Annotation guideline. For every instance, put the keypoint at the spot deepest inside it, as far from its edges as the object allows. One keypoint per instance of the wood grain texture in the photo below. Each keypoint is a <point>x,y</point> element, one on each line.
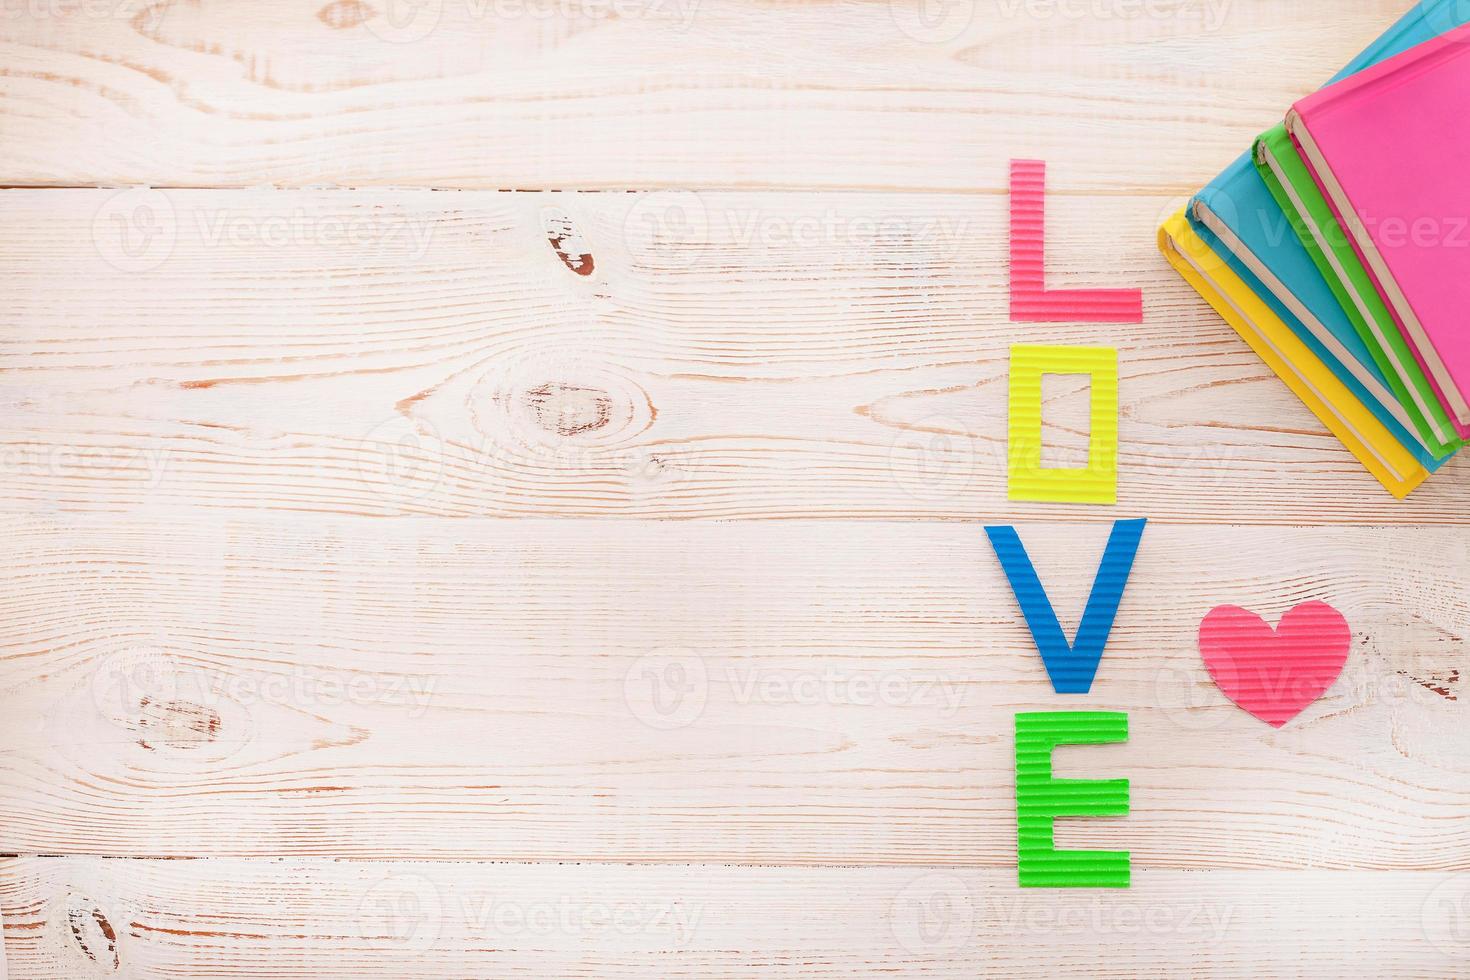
<point>87,918</point>
<point>664,355</point>
<point>291,684</point>
<point>596,94</point>
<point>799,693</point>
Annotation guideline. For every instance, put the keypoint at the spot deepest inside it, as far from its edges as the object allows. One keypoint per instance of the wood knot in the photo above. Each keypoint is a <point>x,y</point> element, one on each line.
<point>568,409</point>
<point>564,410</point>
<point>92,933</point>
<point>343,14</point>
<point>567,242</point>
<point>176,724</point>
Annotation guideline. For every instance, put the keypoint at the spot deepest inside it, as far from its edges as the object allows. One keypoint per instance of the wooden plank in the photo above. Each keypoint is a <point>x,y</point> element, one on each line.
<point>724,355</point>
<point>770,692</point>
<point>261,617</point>
<point>86,917</point>
<point>889,94</point>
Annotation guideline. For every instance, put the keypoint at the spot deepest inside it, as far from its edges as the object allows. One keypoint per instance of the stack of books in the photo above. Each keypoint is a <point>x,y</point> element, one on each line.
<point>1338,247</point>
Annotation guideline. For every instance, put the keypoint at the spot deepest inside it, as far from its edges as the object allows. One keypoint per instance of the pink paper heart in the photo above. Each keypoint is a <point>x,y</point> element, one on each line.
<point>1275,674</point>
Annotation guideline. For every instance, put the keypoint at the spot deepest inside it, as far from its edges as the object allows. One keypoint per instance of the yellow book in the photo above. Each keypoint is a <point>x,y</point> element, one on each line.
<point>1314,383</point>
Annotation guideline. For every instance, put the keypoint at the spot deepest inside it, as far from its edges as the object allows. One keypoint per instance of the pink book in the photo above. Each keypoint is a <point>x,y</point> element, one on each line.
<point>1390,148</point>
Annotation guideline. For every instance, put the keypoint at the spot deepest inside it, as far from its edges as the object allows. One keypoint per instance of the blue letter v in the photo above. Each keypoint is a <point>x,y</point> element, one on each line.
<point>1071,666</point>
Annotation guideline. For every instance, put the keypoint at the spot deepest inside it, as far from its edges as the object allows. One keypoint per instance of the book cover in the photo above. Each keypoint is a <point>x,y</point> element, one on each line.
<point>1390,150</point>
<point>1312,220</point>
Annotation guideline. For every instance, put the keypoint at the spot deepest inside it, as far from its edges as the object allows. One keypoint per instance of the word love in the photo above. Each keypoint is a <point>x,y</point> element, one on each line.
<point>1041,799</point>
<point>1033,302</point>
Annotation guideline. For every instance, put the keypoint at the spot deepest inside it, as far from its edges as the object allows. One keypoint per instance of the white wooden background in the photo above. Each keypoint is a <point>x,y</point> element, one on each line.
<point>507,501</point>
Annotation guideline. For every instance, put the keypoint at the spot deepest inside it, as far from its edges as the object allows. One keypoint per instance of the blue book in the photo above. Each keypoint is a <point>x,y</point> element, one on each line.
<point>1237,216</point>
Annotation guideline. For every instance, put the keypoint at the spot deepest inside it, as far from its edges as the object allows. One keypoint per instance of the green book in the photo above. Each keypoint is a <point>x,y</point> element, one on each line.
<point>1312,219</point>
